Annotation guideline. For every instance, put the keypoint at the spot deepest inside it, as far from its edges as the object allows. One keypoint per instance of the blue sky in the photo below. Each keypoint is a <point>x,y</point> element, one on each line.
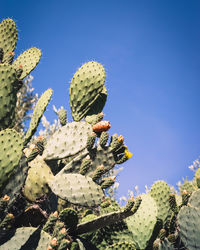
<point>151,53</point>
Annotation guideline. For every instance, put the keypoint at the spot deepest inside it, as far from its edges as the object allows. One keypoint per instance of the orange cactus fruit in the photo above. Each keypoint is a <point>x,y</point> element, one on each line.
<point>101,126</point>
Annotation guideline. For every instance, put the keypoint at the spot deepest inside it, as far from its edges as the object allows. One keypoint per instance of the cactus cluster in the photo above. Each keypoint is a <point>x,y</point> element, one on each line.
<point>52,192</point>
<point>47,188</point>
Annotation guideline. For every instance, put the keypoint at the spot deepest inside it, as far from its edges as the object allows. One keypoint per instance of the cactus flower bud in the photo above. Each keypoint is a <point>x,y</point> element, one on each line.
<point>127,153</point>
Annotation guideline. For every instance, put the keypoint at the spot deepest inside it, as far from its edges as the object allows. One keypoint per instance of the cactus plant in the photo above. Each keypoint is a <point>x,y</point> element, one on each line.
<point>53,196</point>
<point>10,154</point>
<point>87,90</point>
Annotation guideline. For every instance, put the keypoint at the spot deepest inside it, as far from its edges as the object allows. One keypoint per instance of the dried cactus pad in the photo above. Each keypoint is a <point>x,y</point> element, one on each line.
<point>8,96</point>
<point>37,114</point>
<point>10,153</point>
<point>77,189</point>
<point>8,35</point>
<point>85,88</point>
<point>27,238</point>
<point>67,141</point>
<point>29,60</point>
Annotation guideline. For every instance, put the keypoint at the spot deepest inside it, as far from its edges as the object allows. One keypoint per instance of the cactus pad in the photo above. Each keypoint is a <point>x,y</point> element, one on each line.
<point>8,95</point>
<point>27,238</point>
<point>77,189</point>
<point>18,177</point>
<point>67,141</point>
<point>8,35</point>
<point>102,156</point>
<point>85,88</point>
<point>38,176</point>
<point>160,192</point>
<point>37,114</point>
<point>194,200</point>
<point>196,176</point>
<point>142,223</point>
<point>188,186</point>
<point>121,246</point>
<point>188,222</point>
<point>69,217</point>
<point>29,60</point>
<point>10,153</point>
<point>62,115</point>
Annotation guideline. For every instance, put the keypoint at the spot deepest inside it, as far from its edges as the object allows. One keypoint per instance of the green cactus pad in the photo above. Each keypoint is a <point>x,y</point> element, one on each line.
<point>27,238</point>
<point>196,176</point>
<point>188,186</point>
<point>37,114</point>
<point>86,87</point>
<point>160,192</point>
<point>69,217</point>
<point>88,217</point>
<point>194,200</point>
<point>62,115</point>
<point>142,223</point>
<point>93,119</point>
<point>19,177</point>
<point>77,189</point>
<point>38,176</point>
<point>103,156</point>
<point>29,60</point>
<point>99,103</point>
<point>67,141</point>
<point>100,157</point>
<point>8,35</point>
<point>8,95</point>
<point>121,246</point>
<point>189,226</point>
<point>10,154</point>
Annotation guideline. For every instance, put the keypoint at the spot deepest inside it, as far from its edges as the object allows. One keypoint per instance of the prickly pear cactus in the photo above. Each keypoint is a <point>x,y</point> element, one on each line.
<point>160,192</point>
<point>8,36</point>
<point>37,114</point>
<point>77,189</point>
<point>28,237</point>
<point>8,95</point>
<point>28,60</point>
<point>143,222</point>
<point>188,221</point>
<point>122,245</point>
<point>36,184</point>
<point>194,200</point>
<point>86,89</point>
<point>67,141</point>
<point>73,165</point>
<point>11,73</point>
<point>10,154</point>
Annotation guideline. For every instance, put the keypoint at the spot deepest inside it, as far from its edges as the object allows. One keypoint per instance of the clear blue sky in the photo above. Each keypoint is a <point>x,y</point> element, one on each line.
<point>151,52</point>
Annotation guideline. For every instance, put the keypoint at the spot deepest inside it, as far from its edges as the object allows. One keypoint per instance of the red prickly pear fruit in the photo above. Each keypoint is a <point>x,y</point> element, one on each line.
<point>101,126</point>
